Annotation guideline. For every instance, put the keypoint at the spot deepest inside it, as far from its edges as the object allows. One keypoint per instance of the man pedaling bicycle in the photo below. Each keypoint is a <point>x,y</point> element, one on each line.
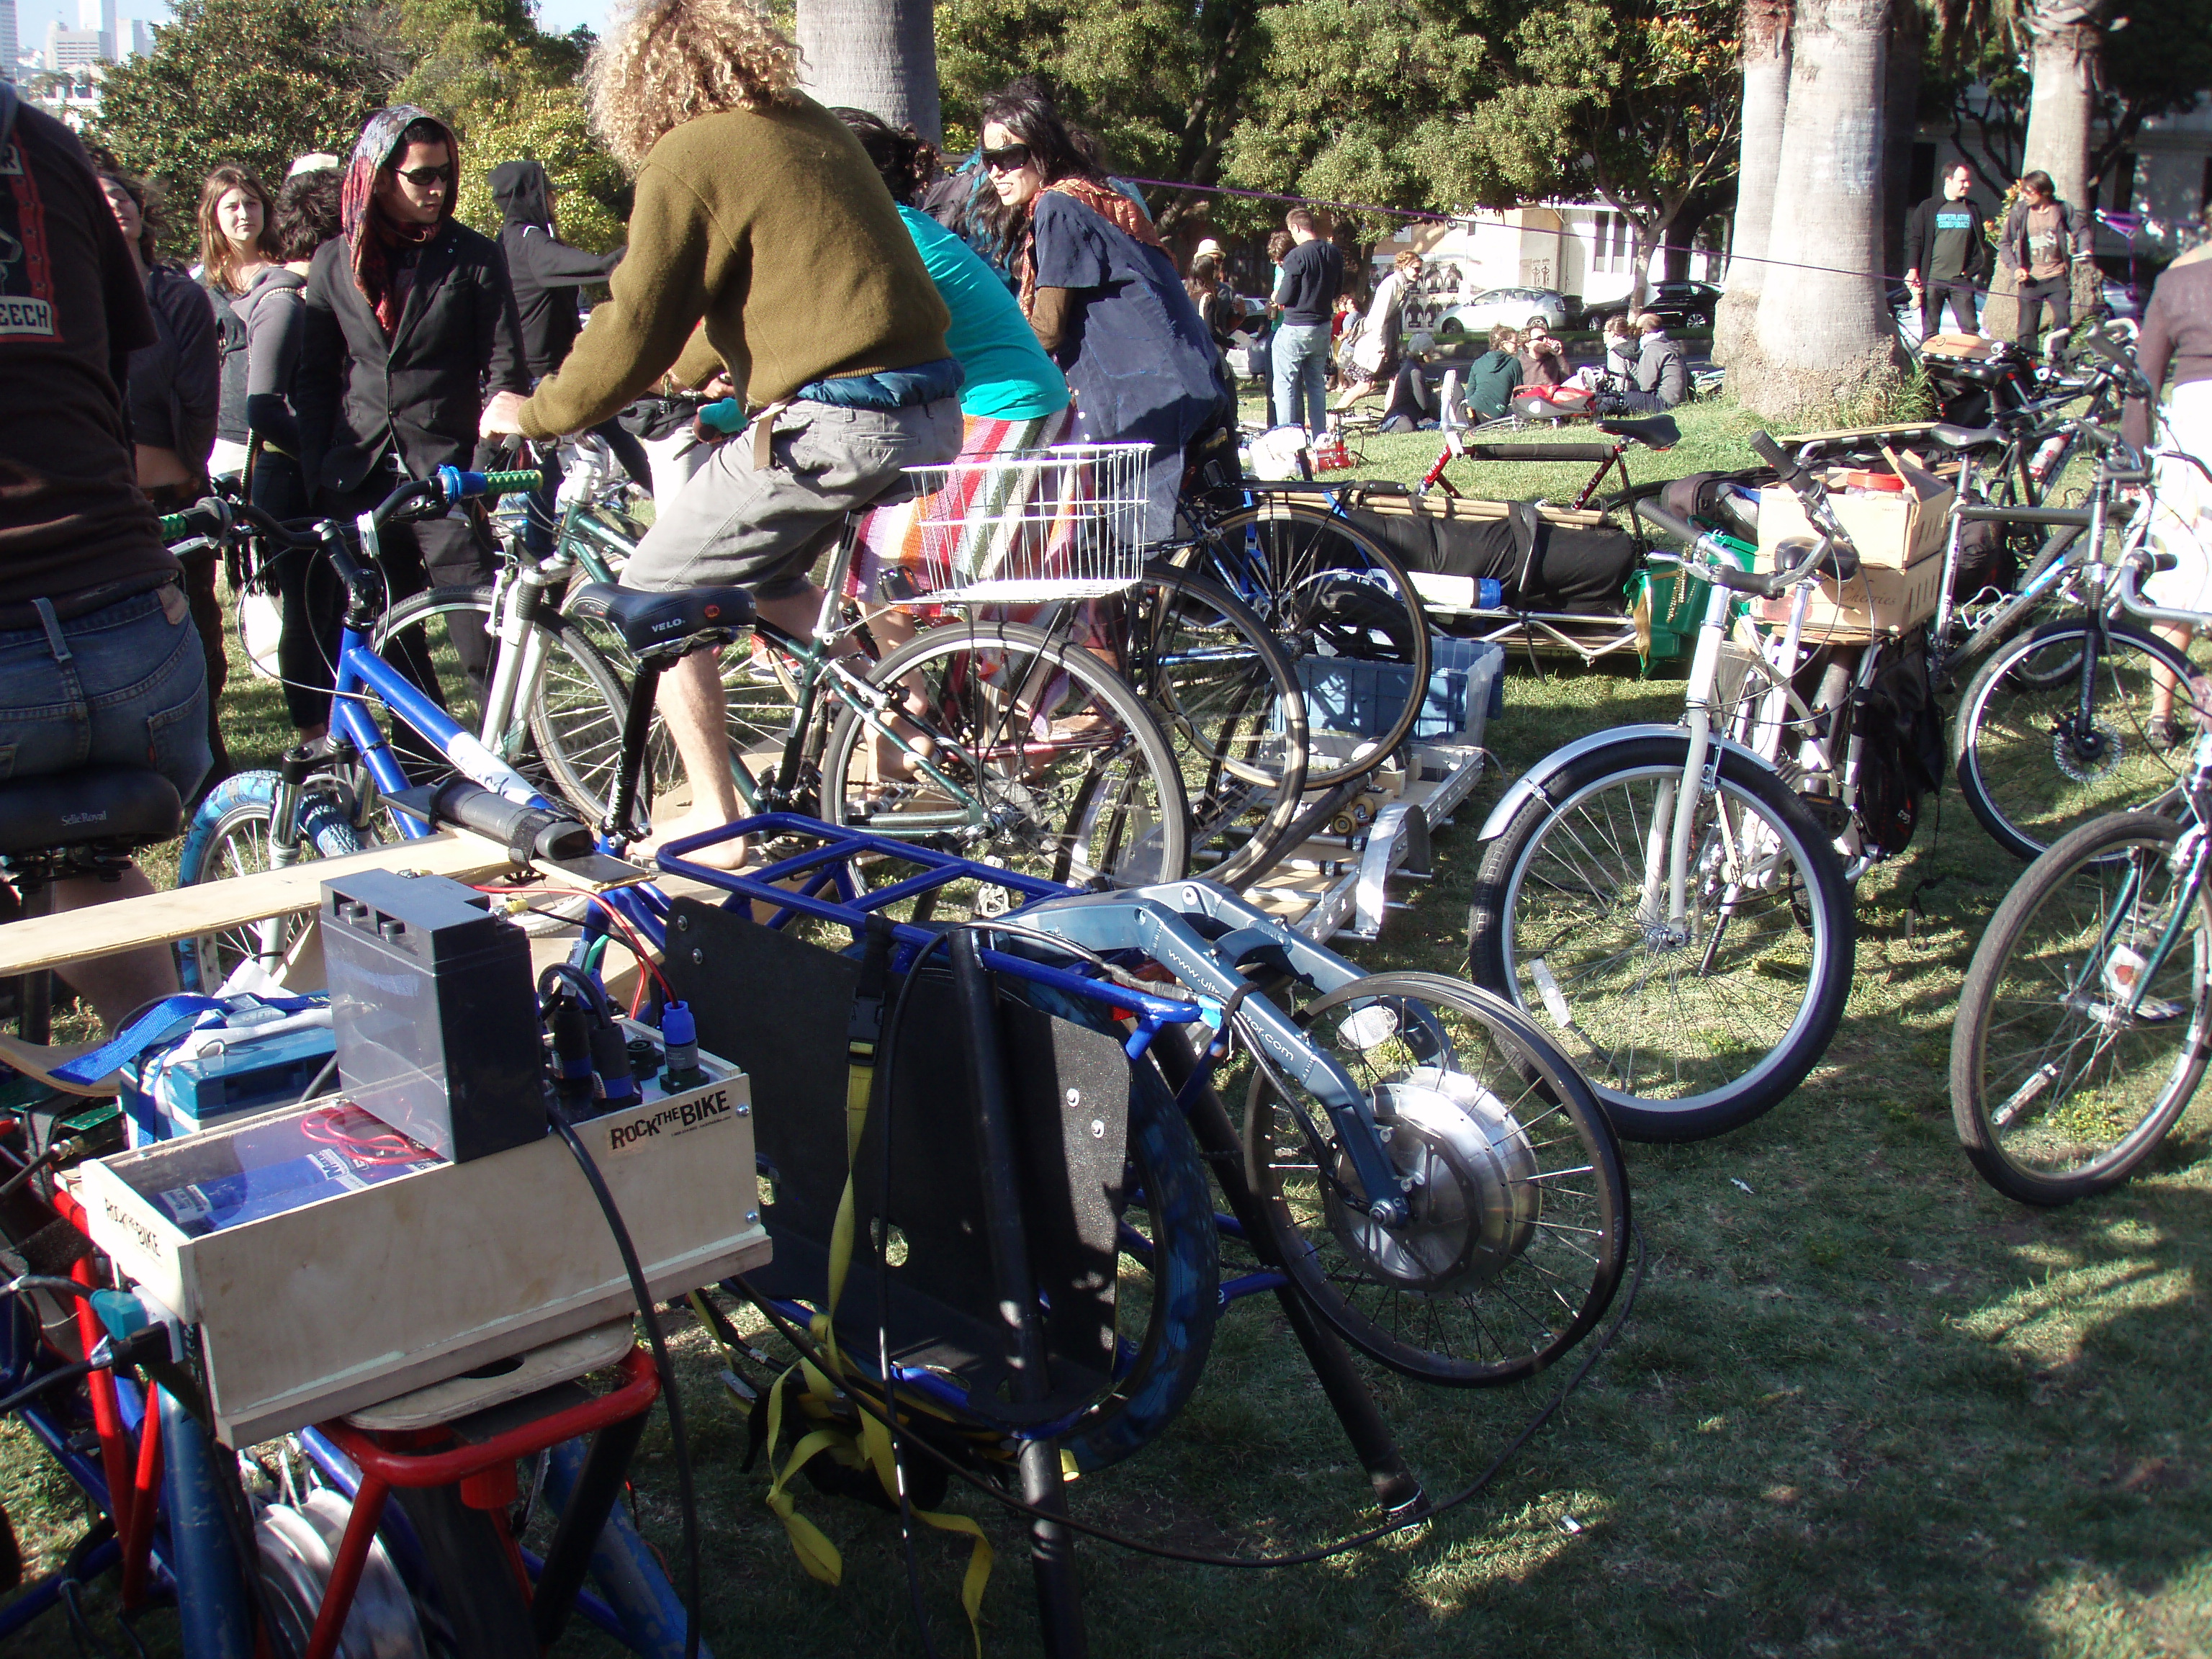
<point>99,665</point>
<point>761,239</point>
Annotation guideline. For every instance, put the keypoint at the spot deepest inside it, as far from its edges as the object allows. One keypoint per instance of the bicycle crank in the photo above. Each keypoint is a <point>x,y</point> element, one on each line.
<point>1471,1185</point>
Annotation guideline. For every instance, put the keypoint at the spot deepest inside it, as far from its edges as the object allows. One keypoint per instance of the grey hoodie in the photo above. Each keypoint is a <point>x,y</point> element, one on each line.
<point>260,349</point>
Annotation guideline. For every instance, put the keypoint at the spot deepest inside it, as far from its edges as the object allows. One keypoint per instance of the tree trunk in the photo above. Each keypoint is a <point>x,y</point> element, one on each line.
<point>1900,99</point>
<point>1825,342</point>
<point>876,55</point>
<point>2067,56</point>
<point>1765,92</point>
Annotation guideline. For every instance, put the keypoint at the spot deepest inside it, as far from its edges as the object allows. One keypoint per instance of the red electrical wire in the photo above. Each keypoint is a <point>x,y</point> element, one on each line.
<point>631,937</point>
<point>334,1126</point>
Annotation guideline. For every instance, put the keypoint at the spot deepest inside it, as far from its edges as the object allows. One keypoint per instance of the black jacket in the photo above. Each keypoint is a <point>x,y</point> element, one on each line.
<point>545,270</point>
<point>358,394</point>
<point>1920,240</point>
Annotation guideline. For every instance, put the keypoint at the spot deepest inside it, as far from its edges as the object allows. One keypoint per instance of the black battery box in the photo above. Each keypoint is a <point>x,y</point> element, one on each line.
<point>435,1011</point>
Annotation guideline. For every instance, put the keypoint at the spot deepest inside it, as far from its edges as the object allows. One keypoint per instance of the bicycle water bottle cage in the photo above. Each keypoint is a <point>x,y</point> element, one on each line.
<point>665,621</point>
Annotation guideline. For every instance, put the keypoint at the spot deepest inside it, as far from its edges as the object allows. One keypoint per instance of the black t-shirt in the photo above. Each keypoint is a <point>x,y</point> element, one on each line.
<point>1313,276</point>
<point>71,310</point>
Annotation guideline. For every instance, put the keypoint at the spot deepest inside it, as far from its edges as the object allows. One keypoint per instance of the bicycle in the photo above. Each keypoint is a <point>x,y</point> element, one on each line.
<point>2082,1032</point>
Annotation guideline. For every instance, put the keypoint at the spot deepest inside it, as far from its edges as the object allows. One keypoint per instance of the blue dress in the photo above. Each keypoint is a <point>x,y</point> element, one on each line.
<point>1136,354</point>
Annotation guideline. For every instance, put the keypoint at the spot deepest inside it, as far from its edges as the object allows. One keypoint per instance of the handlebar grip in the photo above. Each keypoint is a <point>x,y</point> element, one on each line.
<point>506,483</point>
<point>207,517</point>
<point>1773,454</point>
<point>527,830</point>
<point>1681,529</point>
<point>460,486</point>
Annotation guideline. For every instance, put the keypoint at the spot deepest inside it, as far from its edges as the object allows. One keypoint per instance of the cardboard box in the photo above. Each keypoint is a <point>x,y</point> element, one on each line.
<point>356,1299</point>
<point>1876,600</point>
<point>1892,529</point>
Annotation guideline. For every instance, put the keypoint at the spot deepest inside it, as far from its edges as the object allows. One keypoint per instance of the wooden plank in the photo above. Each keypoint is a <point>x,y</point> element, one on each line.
<point>1855,432</point>
<point>159,918</point>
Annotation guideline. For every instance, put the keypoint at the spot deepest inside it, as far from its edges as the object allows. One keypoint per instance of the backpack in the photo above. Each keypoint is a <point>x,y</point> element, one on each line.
<point>1902,760</point>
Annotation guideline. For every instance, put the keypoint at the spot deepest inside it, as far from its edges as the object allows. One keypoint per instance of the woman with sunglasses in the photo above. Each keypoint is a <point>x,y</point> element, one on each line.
<point>1101,293</point>
<point>409,319</point>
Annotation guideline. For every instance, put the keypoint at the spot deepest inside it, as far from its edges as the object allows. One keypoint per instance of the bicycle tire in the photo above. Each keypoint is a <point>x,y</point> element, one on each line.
<point>1229,704</point>
<point>2042,953</point>
<point>1436,1299</point>
<point>2014,755</point>
<point>991,693</point>
<point>573,719</point>
<point>472,1588</point>
<point>229,836</point>
<point>1295,568</point>
<point>1667,1064</point>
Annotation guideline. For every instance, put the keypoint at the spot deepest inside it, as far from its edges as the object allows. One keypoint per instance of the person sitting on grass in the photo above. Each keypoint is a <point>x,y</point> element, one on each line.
<point>1495,376</point>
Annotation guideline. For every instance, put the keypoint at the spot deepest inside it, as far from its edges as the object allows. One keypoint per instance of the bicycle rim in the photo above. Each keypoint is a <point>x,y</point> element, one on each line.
<point>1519,1224</point>
<point>1015,751</point>
<point>2031,769</point>
<point>2063,1081</point>
<point>229,836</point>
<point>1683,1034</point>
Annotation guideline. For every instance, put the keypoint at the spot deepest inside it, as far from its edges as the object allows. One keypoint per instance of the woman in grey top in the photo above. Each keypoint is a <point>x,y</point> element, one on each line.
<point>258,312</point>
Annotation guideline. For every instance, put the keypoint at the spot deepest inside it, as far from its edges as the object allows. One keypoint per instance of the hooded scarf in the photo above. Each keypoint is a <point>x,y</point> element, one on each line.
<point>373,242</point>
<point>522,194</point>
<point>1108,202</point>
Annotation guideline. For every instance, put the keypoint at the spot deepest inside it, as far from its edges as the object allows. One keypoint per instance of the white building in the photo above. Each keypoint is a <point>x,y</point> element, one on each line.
<point>97,17</point>
<point>9,46</point>
<point>74,49</point>
<point>1583,249</point>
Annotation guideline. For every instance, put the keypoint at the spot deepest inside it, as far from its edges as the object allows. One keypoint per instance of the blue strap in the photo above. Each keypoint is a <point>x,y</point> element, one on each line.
<point>157,1025</point>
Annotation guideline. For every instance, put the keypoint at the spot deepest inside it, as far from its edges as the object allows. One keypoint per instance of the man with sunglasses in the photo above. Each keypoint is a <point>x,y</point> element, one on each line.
<point>409,321</point>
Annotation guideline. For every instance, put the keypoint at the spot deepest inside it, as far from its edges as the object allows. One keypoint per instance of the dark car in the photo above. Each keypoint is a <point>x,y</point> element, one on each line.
<point>1679,305</point>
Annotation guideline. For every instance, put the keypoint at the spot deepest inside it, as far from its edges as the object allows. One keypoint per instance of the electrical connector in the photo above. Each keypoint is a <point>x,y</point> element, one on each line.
<point>679,1035</point>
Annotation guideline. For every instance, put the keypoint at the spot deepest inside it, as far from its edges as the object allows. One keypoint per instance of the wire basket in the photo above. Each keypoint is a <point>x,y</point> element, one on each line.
<point>1027,526</point>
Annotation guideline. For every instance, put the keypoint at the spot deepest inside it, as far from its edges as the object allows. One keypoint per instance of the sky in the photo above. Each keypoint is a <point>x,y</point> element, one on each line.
<point>32,16</point>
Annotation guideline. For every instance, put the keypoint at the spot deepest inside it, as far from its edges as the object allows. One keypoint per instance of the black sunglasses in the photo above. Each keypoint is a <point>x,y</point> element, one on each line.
<point>423,178</point>
<point>1013,159</point>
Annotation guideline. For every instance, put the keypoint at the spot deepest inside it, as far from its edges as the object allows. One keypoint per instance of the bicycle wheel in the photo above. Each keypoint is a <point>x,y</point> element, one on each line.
<point>1034,755</point>
<point>471,1605</point>
<point>2057,1090</point>
<point>229,836</point>
<point>2030,766</point>
<point>1227,699</point>
<point>1345,613</point>
<point>1683,1034</point>
<point>1519,1225</point>
<point>564,733</point>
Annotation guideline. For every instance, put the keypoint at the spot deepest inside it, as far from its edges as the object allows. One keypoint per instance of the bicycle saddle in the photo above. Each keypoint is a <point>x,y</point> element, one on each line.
<point>126,803</point>
<point>1658,431</point>
<point>649,621</point>
<point>1966,437</point>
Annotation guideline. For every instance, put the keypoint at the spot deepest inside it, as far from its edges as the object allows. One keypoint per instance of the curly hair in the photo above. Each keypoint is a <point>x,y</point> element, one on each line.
<point>308,214</point>
<point>218,257</point>
<point>667,62</point>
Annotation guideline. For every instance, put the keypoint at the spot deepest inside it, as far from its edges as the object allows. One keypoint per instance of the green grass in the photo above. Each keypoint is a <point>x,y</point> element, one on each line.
<point>1864,1406</point>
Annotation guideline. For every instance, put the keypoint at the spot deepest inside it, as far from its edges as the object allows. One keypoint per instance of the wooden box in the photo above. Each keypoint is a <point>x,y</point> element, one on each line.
<point>1877,600</point>
<point>1891,529</point>
<point>360,1297</point>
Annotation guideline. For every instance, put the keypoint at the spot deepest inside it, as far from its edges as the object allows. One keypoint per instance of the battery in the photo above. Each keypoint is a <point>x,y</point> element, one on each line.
<point>436,1011</point>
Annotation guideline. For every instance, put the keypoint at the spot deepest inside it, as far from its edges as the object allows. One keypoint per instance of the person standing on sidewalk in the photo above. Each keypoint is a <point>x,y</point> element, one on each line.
<point>2042,238</point>
<point>1312,277</point>
<point>1946,257</point>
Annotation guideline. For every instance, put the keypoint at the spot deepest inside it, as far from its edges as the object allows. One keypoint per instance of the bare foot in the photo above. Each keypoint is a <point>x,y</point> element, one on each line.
<point>716,856</point>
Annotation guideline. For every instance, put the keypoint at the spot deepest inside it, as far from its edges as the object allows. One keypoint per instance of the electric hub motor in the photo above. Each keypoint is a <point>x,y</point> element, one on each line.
<point>298,1544</point>
<point>1476,1197</point>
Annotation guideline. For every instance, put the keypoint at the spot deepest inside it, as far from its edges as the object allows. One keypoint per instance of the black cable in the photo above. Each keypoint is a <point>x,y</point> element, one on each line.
<point>593,993</point>
<point>679,1445</point>
<point>67,1373</point>
<point>1597,1351</point>
<point>308,1093</point>
<point>53,1152</point>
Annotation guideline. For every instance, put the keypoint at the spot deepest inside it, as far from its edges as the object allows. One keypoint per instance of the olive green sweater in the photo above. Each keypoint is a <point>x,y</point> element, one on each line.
<point>772,227</point>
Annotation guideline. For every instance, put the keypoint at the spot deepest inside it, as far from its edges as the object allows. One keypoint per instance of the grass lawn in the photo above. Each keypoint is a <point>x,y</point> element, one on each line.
<point>1864,1405</point>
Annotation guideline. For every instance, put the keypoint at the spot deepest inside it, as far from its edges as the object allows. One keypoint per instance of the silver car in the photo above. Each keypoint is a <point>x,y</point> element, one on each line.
<point>1516,307</point>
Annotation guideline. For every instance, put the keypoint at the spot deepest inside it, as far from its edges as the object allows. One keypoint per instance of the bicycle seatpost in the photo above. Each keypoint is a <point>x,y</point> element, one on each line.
<point>637,726</point>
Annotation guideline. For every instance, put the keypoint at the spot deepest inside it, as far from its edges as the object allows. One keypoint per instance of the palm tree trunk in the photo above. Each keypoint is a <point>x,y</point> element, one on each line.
<point>1901,98</point>
<point>1765,92</point>
<point>876,55</point>
<point>2067,56</point>
<point>1825,342</point>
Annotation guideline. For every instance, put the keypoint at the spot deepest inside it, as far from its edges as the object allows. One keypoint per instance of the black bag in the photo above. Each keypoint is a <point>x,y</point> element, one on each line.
<point>1987,560</point>
<point>654,417</point>
<point>1902,759</point>
<point>1568,569</point>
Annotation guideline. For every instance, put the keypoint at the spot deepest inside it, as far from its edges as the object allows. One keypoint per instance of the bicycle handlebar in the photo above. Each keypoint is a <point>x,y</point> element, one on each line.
<point>215,518</point>
<point>1718,564</point>
<point>2131,572</point>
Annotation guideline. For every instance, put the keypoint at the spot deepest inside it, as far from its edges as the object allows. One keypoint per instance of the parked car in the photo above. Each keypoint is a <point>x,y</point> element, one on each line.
<point>1516,307</point>
<point>1679,305</point>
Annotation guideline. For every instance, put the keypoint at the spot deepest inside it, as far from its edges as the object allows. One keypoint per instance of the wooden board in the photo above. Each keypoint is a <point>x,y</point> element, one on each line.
<point>159,918</point>
<point>1855,432</point>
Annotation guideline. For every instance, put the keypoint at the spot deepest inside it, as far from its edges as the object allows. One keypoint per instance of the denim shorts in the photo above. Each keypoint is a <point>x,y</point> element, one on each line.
<point>122,686</point>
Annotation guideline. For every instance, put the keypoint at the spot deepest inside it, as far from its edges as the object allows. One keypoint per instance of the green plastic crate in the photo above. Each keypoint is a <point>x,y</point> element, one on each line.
<point>1669,607</point>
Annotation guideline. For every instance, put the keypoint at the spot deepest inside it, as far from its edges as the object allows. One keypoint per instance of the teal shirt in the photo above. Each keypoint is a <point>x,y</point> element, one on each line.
<point>1009,376</point>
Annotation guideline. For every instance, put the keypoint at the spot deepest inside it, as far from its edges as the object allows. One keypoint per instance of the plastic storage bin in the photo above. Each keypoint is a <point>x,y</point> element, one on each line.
<point>1467,689</point>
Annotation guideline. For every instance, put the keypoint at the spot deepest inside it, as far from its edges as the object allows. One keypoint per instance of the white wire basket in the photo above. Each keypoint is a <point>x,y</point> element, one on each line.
<point>1028,525</point>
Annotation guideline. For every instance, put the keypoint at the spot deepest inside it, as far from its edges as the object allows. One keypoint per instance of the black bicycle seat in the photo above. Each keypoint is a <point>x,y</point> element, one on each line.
<point>1966,437</point>
<point>649,620</point>
<point>1657,431</point>
<point>123,805</point>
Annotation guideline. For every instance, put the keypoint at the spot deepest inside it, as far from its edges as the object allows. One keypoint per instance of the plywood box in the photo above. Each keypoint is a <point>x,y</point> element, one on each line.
<point>1876,600</point>
<point>363,1296</point>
